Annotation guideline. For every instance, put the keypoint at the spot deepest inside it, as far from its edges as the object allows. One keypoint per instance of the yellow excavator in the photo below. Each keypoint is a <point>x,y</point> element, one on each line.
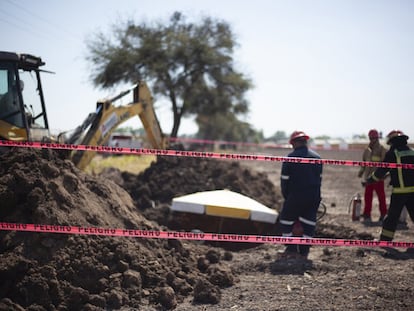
<point>23,111</point>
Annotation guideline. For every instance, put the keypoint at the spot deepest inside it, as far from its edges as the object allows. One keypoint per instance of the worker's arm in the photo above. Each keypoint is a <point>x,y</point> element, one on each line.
<point>284,180</point>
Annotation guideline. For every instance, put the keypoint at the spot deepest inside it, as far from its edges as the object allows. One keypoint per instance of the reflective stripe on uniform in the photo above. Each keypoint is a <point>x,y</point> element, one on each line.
<point>387,233</point>
<point>376,158</point>
<point>287,222</point>
<point>399,170</point>
<point>284,177</point>
<point>307,221</point>
<point>405,153</point>
<point>403,189</point>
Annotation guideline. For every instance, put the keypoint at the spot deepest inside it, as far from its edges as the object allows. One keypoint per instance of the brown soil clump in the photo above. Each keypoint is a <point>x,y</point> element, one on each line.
<point>56,271</point>
<point>46,271</point>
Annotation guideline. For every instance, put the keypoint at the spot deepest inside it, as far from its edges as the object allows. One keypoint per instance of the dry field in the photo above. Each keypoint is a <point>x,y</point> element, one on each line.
<point>42,271</point>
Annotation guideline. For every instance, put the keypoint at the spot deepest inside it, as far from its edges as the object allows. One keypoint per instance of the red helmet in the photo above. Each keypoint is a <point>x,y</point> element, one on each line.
<point>395,133</point>
<point>298,134</point>
<point>373,134</point>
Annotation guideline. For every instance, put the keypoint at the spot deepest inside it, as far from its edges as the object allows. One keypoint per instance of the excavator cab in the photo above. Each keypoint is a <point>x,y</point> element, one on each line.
<point>22,107</point>
<point>23,111</point>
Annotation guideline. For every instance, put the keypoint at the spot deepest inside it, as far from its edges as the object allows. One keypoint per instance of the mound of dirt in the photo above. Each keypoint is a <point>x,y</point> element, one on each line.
<point>44,271</point>
<point>169,177</point>
<point>53,271</point>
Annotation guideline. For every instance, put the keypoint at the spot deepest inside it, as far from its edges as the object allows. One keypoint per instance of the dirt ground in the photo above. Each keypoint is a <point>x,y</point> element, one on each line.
<point>40,271</point>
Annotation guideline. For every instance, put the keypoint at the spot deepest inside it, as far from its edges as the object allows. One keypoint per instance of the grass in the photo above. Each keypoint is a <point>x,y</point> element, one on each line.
<point>126,163</point>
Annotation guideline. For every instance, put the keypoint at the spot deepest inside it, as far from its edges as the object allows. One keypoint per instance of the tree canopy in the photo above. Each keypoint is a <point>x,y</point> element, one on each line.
<point>190,64</point>
<point>278,136</point>
<point>225,126</point>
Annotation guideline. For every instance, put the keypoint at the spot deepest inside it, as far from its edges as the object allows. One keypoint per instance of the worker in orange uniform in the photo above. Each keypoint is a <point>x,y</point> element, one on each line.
<point>301,188</point>
<point>402,181</point>
<point>374,152</point>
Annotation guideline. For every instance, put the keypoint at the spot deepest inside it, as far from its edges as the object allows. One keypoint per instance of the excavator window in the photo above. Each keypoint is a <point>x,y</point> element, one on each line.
<point>9,99</point>
<point>22,106</point>
<point>32,103</point>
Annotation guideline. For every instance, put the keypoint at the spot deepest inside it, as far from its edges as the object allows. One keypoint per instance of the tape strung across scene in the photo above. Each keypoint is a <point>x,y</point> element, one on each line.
<point>154,234</point>
<point>198,154</point>
<point>199,236</point>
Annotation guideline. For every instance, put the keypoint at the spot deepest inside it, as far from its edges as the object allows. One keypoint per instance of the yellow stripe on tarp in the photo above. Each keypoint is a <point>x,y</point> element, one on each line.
<point>227,212</point>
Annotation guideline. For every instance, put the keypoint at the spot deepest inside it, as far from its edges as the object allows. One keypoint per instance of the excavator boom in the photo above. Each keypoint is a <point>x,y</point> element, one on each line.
<point>23,114</point>
<point>108,117</point>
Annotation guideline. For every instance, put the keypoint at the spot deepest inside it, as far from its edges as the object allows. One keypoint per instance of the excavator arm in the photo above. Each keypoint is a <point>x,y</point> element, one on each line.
<point>23,111</point>
<point>98,126</point>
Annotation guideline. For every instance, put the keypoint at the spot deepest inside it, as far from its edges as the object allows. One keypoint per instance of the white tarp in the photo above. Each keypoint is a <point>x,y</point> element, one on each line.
<point>224,203</point>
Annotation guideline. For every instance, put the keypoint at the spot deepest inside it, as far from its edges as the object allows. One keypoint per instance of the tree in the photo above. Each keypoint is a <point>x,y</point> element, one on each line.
<point>323,137</point>
<point>279,135</point>
<point>190,64</point>
<point>226,127</point>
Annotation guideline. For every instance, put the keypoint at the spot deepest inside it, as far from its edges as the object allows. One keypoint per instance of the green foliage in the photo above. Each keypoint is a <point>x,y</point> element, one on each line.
<point>191,64</point>
<point>322,137</point>
<point>360,136</point>
<point>226,127</point>
<point>278,136</point>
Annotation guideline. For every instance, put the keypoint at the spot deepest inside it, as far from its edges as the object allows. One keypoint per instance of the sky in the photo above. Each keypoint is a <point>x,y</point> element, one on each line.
<point>327,67</point>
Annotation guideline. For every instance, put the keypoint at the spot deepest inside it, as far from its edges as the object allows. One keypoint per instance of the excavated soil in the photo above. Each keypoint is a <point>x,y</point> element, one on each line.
<point>46,271</point>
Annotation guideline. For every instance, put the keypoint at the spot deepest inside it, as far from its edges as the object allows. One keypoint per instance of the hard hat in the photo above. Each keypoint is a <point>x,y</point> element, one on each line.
<point>373,134</point>
<point>395,133</point>
<point>298,134</point>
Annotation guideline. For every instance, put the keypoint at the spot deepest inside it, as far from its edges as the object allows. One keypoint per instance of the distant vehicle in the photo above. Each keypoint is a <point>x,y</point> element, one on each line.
<point>125,141</point>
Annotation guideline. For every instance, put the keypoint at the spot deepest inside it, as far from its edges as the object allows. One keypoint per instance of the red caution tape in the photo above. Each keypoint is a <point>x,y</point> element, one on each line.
<point>248,144</point>
<point>198,154</point>
<point>237,238</point>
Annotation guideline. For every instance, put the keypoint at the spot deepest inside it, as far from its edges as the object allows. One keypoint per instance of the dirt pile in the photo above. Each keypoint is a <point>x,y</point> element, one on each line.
<point>169,177</point>
<point>40,271</point>
<point>52,271</point>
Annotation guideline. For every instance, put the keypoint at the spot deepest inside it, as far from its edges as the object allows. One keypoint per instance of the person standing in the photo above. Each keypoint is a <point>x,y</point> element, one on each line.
<point>402,181</point>
<point>374,152</point>
<point>301,190</point>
